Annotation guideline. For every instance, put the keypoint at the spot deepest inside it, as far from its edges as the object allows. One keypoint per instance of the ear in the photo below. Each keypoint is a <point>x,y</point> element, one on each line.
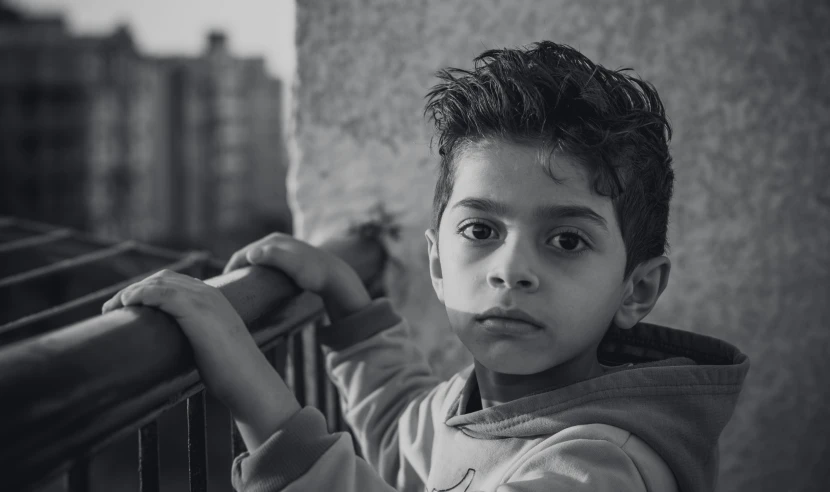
<point>642,289</point>
<point>435,263</point>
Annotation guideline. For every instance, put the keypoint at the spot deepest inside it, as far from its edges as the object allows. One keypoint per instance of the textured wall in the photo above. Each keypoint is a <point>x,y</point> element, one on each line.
<point>743,86</point>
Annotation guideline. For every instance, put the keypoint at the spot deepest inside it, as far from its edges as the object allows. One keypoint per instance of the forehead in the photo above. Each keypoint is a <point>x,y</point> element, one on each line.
<point>519,175</point>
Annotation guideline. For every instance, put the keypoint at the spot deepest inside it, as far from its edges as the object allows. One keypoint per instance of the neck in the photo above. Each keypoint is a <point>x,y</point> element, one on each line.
<point>497,387</point>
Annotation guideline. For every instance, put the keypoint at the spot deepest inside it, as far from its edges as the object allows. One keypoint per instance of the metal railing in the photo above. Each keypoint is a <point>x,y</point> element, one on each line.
<point>68,392</point>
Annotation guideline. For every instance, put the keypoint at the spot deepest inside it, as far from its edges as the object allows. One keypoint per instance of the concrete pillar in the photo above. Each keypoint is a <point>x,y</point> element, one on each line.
<point>743,83</point>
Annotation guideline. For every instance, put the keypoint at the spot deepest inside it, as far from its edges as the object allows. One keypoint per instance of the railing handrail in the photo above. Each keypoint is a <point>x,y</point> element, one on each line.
<point>67,393</point>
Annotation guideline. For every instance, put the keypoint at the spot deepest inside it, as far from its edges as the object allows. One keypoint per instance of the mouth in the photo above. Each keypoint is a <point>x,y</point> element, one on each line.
<point>511,318</point>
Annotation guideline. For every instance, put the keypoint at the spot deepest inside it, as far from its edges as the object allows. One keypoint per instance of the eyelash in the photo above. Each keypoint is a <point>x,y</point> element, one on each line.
<point>465,225</point>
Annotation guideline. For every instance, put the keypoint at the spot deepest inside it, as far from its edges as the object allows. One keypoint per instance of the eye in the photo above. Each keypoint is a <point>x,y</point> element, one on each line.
<point>568,242</point>
<point>477,231</point>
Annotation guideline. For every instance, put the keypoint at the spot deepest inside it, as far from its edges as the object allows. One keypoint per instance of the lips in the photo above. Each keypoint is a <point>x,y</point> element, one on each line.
<point>509,314</point>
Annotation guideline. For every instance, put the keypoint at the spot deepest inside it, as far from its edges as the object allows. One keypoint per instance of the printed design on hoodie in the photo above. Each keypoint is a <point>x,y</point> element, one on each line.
<point>461,486</point>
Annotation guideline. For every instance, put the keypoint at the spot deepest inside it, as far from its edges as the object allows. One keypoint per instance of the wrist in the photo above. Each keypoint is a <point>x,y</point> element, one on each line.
<point>344,292</point>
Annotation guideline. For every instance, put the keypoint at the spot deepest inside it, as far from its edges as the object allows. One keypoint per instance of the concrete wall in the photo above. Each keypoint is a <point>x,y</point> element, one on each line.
<point>743,85</point>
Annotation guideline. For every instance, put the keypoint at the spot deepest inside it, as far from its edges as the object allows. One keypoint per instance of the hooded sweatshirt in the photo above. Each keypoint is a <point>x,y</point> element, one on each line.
<point>651,422</point>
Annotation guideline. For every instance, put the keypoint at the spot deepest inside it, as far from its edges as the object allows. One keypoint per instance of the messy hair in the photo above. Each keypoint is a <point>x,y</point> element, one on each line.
<point>549,94</point>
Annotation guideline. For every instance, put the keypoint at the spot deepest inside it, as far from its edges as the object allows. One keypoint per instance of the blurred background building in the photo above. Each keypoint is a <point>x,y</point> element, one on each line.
<point>178,151</point>
<point>115,163</point>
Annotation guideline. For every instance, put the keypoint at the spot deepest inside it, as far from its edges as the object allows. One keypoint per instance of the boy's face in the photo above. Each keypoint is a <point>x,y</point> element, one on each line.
<point>506,240</point>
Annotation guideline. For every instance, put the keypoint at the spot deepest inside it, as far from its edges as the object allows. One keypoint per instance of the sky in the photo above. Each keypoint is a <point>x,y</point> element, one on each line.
<point>254,27</point>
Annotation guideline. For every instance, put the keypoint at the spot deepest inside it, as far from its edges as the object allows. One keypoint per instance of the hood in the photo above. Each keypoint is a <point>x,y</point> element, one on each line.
<point>674,389</point>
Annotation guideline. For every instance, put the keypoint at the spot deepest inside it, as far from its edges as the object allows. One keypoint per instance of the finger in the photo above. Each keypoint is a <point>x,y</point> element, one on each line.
<point>288,258</point>
<point>165,296</point>
<point>238,260</point>
<point>115,301</point>
<point>241,259</point>
<point>167,277</point>
<point>274,255</point>
<point>167,274</point>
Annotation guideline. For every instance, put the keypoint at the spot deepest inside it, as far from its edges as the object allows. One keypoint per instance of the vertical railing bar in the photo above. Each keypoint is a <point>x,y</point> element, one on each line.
<point>296,350</point>
<point>327,396</point>
<point>332,412</point>
<point>148,458</point>
<point>326,393</point>
<point>273,358</point>
<point>319,378</point>
<point>78,478</point>
<point>197,442</point>
<point>290,366</point>
<point>278,357</point>
<point>342,426</point>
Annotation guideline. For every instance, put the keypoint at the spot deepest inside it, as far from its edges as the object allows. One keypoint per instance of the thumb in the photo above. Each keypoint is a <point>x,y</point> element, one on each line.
<point>270,255</point>
<point>255,255</point>
<point>303,271</point>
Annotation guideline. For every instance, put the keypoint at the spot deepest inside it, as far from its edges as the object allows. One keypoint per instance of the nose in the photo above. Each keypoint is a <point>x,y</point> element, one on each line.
<point>513,269</point>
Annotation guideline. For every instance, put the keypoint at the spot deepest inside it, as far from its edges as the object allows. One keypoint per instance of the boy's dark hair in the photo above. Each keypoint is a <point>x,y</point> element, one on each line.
<point>550,94</point>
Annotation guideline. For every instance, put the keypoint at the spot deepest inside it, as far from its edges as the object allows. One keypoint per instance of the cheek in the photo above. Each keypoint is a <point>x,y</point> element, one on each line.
<point>454,268</point>
<point>589,305</point>
<point>462,283</point>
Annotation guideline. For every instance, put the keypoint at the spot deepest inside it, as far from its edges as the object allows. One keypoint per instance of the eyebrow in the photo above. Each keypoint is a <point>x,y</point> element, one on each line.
<point>544,212</point>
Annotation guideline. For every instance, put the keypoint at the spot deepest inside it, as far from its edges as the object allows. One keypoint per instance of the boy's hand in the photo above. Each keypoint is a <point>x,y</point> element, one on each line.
<point>229,361</point>
<point>211,325</point>
<point>311,268</point>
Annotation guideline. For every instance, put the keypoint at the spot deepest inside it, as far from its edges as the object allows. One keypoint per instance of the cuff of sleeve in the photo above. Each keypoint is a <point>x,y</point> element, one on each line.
<point>286,456</point>
<point>379,315</point>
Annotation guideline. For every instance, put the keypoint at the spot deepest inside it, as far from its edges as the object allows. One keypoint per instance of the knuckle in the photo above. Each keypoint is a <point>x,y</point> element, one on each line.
<point>168,292</point>
<point>154,281</point>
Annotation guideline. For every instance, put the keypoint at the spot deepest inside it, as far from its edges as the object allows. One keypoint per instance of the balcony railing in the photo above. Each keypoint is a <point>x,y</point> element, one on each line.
<point>66,392</point>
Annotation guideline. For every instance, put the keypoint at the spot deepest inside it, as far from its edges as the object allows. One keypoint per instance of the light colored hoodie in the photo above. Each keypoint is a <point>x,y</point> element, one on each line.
<point>650,423</point>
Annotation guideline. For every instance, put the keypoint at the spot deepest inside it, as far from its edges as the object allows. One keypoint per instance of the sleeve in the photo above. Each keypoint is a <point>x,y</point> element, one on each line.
<point>385,385</point>
<point>303,456</point>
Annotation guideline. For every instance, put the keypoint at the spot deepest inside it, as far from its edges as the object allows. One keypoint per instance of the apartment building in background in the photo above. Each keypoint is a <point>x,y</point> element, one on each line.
<point>44,106</point>
<point>94,134</point>
<point>225,134</point>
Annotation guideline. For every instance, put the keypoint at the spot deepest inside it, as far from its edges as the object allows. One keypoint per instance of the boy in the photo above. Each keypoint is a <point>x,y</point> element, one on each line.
<point>546,248</point>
